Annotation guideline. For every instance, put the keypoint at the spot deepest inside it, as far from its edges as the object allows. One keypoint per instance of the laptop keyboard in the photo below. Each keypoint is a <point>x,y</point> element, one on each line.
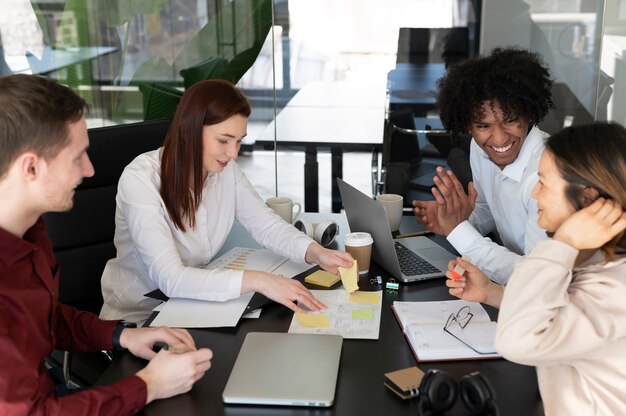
<point>411,264</point>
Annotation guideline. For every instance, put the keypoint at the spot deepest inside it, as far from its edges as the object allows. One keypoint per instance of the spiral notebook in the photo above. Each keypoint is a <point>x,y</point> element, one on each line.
<point>424,325</point>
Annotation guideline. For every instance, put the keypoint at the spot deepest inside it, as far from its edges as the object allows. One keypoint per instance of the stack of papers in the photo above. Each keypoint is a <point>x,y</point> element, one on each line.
<point>190,313</point>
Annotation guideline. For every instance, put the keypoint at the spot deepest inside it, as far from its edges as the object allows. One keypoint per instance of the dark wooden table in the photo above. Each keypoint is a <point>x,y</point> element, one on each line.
<point>360,389</point>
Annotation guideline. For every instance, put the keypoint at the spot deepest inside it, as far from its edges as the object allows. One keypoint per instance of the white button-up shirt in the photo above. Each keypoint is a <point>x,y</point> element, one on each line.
<point>153,254</point>
<point>503,205</point>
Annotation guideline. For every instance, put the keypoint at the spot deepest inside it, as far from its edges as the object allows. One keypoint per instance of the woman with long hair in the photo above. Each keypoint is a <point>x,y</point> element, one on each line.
<point>564,309</point>
<point>177,204</point>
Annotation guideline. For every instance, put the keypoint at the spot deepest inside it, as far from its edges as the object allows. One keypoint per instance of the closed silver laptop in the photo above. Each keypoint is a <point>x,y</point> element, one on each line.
<point>407,259</point>
<point>285,369</point>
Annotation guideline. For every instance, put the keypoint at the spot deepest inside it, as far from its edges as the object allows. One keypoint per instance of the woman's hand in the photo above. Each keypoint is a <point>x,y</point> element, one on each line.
<point>592,226</point>
<point>329,260</point>
<point>284,290</point>
<point>474,285</point>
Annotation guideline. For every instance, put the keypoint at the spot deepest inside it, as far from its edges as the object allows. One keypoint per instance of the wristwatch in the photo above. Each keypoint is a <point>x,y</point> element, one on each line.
<point>118,331</point>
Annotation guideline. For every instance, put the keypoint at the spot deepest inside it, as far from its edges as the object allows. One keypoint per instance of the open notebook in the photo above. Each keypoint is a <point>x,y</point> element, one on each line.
<point>447,330</point>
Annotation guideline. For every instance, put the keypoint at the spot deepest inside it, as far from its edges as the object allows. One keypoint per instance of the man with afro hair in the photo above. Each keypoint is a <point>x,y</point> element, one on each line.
<point>498,99</point>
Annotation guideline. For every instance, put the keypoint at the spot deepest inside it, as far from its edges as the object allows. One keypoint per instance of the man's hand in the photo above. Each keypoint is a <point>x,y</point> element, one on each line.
<point>592,226</point>
<point>451,206</point>
<point>140,341</point>
<point>169,374</point>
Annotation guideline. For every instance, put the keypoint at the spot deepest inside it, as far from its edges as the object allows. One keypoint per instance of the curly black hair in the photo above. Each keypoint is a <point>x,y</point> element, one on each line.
<point>518,79</point>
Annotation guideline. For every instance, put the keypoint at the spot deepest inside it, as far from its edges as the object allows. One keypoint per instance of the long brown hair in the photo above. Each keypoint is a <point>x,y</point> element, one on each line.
<point>204,104</point>
<point>593,156</point>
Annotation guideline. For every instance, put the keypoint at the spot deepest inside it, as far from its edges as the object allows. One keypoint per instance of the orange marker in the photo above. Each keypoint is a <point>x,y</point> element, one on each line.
<point>458,271</point>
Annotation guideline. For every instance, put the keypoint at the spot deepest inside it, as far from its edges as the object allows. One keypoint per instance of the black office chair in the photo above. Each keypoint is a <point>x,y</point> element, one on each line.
<point>433,45</point>
<point>403,162</point>
<point>83,237</point>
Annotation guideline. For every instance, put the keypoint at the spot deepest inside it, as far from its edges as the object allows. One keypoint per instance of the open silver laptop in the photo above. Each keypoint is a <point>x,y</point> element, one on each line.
<point>407,259</point>
<point>285,369</point>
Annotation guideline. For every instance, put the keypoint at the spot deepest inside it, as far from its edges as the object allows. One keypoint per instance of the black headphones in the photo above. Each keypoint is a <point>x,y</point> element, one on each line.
<point>439,392</point>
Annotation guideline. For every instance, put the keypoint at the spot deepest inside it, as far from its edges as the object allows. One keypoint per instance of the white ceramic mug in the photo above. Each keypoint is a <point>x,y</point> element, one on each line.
<point>284,207</point>
<point>393,208</point>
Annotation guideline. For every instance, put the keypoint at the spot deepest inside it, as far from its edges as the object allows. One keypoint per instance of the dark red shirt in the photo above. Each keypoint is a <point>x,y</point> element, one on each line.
<point>33,323</point>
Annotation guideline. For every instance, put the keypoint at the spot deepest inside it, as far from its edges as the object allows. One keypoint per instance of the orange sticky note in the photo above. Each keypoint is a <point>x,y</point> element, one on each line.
<point>350,277</point>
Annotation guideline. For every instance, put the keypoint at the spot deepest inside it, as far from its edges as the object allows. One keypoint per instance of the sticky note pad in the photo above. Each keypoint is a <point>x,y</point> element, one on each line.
<point>350,277</point>
<point>322,278</point>
<point>368,298</point>
<point>362,314</point>
<point>313,320</point>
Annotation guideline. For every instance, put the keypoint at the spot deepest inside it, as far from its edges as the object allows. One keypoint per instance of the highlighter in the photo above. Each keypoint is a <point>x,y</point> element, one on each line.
<point>458,271</point>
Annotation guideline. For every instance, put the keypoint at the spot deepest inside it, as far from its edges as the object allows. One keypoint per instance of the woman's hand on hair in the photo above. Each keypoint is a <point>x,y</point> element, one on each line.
<point>592,226</point>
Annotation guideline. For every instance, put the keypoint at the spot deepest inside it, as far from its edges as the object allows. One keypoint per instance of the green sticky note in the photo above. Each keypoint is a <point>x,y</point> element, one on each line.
<point>362,314</point>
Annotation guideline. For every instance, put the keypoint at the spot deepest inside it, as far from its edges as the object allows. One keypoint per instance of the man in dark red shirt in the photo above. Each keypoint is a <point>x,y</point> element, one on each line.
<point>43,144</point>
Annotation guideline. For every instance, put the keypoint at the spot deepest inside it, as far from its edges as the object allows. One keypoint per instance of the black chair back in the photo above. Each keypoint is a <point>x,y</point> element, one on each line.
<point>83,237</point>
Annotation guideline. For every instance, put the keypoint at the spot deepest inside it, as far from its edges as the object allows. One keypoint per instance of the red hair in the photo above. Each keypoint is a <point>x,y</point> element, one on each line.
<point>182,177</point>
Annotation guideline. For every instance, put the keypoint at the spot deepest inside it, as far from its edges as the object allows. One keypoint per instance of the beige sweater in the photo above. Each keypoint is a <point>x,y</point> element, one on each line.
<point>571,324</point>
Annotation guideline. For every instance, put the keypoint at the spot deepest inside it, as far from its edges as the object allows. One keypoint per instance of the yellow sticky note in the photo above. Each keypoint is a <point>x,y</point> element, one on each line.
<point>313,320</point>
<point>368,298</point>
<point>350,277</point>
<point>322,278</point>
<point>362,314</point>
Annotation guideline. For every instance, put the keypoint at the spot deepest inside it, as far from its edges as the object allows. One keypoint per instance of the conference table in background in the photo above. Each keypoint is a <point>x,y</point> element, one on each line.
<point>339,116</point>
<point>360,390</point>
<point>55,59</point>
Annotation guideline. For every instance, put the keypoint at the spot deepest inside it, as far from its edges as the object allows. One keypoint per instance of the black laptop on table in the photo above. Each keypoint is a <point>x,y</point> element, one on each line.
<point>407,259</point>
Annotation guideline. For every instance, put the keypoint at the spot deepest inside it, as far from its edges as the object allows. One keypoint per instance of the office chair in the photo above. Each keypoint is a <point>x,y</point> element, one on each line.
<point>82,238</point>
<point>210,68</point>
<point>159,101</point>
<point>433,45</point>
<point>403,158</point>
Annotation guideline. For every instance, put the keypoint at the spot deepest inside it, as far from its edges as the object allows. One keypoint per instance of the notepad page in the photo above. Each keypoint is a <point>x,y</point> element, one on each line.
<point>436,312</point>
<point>431,342</point>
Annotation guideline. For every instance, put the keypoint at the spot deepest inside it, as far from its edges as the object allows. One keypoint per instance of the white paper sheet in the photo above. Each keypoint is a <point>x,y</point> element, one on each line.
<point>190,313</point>
<point>341,314</point>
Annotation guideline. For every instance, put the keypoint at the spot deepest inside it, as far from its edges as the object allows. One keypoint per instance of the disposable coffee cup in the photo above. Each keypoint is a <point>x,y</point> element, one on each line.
<point>359,245</point>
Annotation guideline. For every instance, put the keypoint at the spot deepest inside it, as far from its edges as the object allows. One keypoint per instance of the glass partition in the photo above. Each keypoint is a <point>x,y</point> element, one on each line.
<point>324,62</point>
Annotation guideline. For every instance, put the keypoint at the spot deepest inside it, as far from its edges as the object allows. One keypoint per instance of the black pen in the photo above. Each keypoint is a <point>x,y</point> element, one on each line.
<point>158,346</point>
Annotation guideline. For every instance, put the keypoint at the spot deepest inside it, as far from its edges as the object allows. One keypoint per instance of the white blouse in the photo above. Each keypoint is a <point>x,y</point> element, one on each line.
<point>153,254</point>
